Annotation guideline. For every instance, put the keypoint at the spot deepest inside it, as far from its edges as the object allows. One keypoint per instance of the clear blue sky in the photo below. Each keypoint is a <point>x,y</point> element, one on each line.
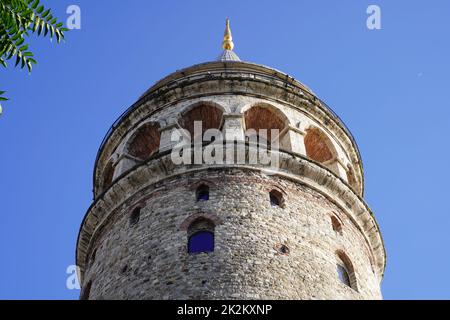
<point>389,86</point>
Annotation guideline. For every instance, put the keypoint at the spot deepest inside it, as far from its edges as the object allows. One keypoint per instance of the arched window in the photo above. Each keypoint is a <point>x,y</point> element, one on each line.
<point>202,193</point>
<point>261,117</point>
<point>345,271</point>
<point>320,148</point>
<point>343,275</point>
<point>209,115</point>
<point>282,249</point>
<point>201,236</point>
<point>135,216</point>
<point>276,199</point>
<point>201,241</point>
<point>86,291</point>
<point>108,175</point>
<point>336,224</point>
<point>144,142</point>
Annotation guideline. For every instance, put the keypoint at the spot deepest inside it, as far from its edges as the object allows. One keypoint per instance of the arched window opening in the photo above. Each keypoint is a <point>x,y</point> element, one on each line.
<point>86,291</point>
<point>209,115</point>
<point>259,117</point>
<point>345,271</point>
<point>201,236</point>
<point>276,199</point>
<point>108,175</point>
<point>282,249</point>
<point>202,241</point>
<point>135,216</point>
<point>145,142</point>
<point>343,275</point>
<point>318,146</point>
<point>336,224</point>
<point>202,193</point>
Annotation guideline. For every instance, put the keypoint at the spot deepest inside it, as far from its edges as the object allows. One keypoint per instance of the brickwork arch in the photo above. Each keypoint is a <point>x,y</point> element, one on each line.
<point>344,261</point>
<point>210,114</point>
<point>265,116</point>
<point>145,141</point>
<point>320,148</point>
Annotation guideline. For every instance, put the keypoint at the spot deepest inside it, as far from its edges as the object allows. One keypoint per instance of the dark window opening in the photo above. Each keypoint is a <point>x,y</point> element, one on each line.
<point>276,198</point>
<point>203,193</point>
<point>135,216</point>
<point>201,236</point>
<point>343,275</point>
<point>336,224</point>
<point>346,271</point>
<point>202,241</point>
<point>284,249</point>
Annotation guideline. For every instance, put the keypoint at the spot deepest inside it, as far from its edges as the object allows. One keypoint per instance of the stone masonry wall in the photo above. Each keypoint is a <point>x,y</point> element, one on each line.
<point>150,260</point>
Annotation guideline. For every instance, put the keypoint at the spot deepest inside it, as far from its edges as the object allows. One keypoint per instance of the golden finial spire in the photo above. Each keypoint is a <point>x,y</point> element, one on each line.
<point>227,43</point>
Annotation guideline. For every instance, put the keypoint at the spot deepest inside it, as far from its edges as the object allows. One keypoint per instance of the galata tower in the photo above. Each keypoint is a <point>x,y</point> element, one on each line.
<point>167,222</point>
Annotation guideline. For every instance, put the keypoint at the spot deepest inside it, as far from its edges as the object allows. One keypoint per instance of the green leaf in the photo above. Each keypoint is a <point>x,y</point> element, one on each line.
<point>41,25</point>
<point>29,66</point>
<point>45,13</point>
<point>36,24</point>
<point>17,60</point>
<point>19,42</point>
<point>12,52</point>
<point>35,4</point>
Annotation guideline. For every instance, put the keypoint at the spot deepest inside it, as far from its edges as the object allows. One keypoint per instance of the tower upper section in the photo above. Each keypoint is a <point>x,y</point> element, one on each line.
<point>316,148</point>
<point>311,128</point>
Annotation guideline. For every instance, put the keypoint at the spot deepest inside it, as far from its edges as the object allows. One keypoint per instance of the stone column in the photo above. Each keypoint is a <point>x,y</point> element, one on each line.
<point>297,138</point>
<point>166,135</point>
<point>233,128</point>
<point>337,166</point>
<point>124,163</point>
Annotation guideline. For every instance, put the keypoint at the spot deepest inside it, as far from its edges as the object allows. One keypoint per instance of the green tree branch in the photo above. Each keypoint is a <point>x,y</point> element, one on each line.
<point>18,20</point>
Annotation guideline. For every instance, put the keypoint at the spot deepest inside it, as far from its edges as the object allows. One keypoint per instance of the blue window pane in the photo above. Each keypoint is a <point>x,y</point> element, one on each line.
<point>343,275</point>
<point>202,241</point>
<point>203,196</point>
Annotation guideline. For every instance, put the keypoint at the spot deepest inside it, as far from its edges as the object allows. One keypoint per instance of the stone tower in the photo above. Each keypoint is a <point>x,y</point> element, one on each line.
<point>158,229</point>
